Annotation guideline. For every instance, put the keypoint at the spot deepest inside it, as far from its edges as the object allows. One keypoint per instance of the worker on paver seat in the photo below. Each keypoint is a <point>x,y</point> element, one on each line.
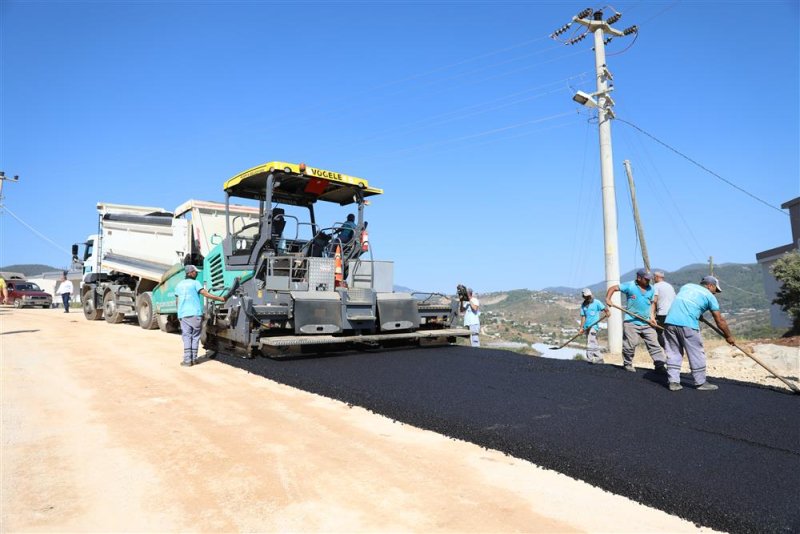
<point>347,230</point>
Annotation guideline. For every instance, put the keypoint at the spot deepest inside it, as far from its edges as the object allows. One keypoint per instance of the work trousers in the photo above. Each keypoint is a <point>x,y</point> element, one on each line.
<point>190,333</point>
<point>632,334</point>
<point>660,320</point>
<point>680,339</point>
<point>474,338</point>
<point>65,301</point>
<point>593,347</point>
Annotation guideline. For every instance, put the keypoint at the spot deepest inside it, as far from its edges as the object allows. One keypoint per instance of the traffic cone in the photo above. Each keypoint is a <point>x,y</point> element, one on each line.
<point>338,279</point>
<point>364,240</point>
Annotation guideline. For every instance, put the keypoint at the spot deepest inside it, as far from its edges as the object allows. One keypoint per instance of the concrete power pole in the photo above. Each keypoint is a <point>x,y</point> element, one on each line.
<point>602,101</point>
<point>636,219</point>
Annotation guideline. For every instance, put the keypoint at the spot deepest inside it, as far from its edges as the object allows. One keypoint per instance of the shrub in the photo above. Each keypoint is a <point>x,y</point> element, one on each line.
<point>787,271</point>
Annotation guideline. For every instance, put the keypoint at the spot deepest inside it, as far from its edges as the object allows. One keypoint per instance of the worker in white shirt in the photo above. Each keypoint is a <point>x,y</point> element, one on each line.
<point>472,320</point>
<point>666,294</point>
<point>65,290</point>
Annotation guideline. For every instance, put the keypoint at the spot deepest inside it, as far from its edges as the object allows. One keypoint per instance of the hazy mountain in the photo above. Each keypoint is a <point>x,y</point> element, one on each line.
<point>402,289</point>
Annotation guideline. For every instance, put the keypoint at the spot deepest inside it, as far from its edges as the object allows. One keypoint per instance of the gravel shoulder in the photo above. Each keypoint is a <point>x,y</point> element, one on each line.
<point>102,430</point>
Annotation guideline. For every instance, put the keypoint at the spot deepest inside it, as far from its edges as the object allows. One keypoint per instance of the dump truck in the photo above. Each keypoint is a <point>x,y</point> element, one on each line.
<point>296,285</point>
<point>135,247</point>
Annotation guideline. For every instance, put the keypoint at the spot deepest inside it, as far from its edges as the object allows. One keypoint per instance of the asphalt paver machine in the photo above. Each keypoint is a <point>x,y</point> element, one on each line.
<point>299,287</point>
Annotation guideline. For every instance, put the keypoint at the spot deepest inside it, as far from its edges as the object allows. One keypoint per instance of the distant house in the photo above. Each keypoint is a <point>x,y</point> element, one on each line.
<point>778,317</point>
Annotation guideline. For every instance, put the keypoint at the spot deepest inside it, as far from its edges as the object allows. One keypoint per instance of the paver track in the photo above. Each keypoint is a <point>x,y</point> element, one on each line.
<point>728,459</point>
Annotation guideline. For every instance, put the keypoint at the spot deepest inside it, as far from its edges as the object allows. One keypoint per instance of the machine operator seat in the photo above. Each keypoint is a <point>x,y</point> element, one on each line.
<point>278,224</point>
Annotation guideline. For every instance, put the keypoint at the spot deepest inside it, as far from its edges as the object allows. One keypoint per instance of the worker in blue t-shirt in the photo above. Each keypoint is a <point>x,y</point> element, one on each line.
<point>347,230</point>
<point>642,302</point>
<point>592,312</point>
<point>190,312</point>
<point>682,331</point>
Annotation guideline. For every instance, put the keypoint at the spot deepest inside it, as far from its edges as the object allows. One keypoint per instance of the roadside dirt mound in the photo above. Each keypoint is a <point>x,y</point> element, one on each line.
<point>793,341</point>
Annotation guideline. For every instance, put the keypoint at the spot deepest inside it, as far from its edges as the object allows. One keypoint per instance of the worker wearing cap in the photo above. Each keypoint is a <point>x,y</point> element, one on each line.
<point>641,301</point>
<point>190,312</point>
<point>682,331</point>
<point>472,320</point>
<point>592,312</point>
<point>665,294</point>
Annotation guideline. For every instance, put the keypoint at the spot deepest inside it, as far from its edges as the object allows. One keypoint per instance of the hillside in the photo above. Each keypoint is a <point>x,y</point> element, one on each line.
<point>528,316</point>
<point>30,269</point>
<point>742,284</point>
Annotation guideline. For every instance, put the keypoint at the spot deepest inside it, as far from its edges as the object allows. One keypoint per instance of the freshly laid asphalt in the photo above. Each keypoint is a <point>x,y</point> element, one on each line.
<point>727,459</point>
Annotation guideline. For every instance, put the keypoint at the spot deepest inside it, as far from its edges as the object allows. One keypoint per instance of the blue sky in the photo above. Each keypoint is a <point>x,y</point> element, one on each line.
<point>460,111</point>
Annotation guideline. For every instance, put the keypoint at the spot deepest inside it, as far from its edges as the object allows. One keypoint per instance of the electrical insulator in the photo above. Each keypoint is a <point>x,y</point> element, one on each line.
<point>632,29</point>
<point>577,39</point>
<point>585,13</point>
<point>561,30</point>
<point>608,40</point>
<point>614,18</point>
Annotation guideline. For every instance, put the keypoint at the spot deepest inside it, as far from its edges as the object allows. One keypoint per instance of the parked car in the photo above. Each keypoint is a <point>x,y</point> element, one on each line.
<point>22,293</point>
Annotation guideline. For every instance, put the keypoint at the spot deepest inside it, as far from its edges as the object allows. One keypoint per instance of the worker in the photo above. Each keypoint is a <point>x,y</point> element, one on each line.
<point>347,230</point>
<point>641,300</point>
<point>65,289</point>
<point>190,312</point>
<point>472,313</point>
<point>665,294</point>
<point>3,290</point>
<point>683,331</point>
<point>592,312</point>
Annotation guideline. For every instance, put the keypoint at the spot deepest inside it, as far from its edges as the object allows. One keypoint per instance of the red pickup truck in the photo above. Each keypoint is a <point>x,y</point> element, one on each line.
<point>22,293</point>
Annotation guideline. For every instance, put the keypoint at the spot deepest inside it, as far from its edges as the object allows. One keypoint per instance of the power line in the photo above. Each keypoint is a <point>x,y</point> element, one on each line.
<point>454,115</point>
<point>35,231</point>
<point>659,141</point>
<point>472,136</point>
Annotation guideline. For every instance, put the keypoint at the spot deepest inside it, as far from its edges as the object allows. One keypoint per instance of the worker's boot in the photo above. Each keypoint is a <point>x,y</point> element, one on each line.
<point>705,386</point>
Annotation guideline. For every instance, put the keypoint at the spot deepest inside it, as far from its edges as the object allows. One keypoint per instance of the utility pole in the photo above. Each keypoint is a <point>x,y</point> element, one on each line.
<point>4,179</point>
<point>711,265</point>
<point>602,101</point>
<point>639,228</point>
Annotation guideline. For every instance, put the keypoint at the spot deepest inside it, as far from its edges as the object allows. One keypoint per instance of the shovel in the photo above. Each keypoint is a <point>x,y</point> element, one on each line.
<point>752,356</point>
<point>573,338</point>
<point>634,315</point>
<point>570,340</point>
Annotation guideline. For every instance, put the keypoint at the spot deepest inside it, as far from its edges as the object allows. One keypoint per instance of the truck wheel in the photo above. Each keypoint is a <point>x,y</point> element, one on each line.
<point>166,323</point>
<point>145,313</point>
<point>110,312</point>
<point>18,303</point>
<point>90,311</point>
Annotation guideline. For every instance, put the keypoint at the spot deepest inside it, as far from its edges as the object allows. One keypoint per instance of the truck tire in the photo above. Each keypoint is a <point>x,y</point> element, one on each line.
<point>166,323</point>
<point>145,312</point>
<point>18,303</point>
<point>110,312</point>
<point>90,311</point>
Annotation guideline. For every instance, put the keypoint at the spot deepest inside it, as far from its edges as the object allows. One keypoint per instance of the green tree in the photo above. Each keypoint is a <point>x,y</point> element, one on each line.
<point>787,271</point>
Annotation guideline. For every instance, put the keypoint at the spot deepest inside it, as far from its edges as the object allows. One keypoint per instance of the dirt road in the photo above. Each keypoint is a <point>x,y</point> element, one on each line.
<point>102,430</point>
